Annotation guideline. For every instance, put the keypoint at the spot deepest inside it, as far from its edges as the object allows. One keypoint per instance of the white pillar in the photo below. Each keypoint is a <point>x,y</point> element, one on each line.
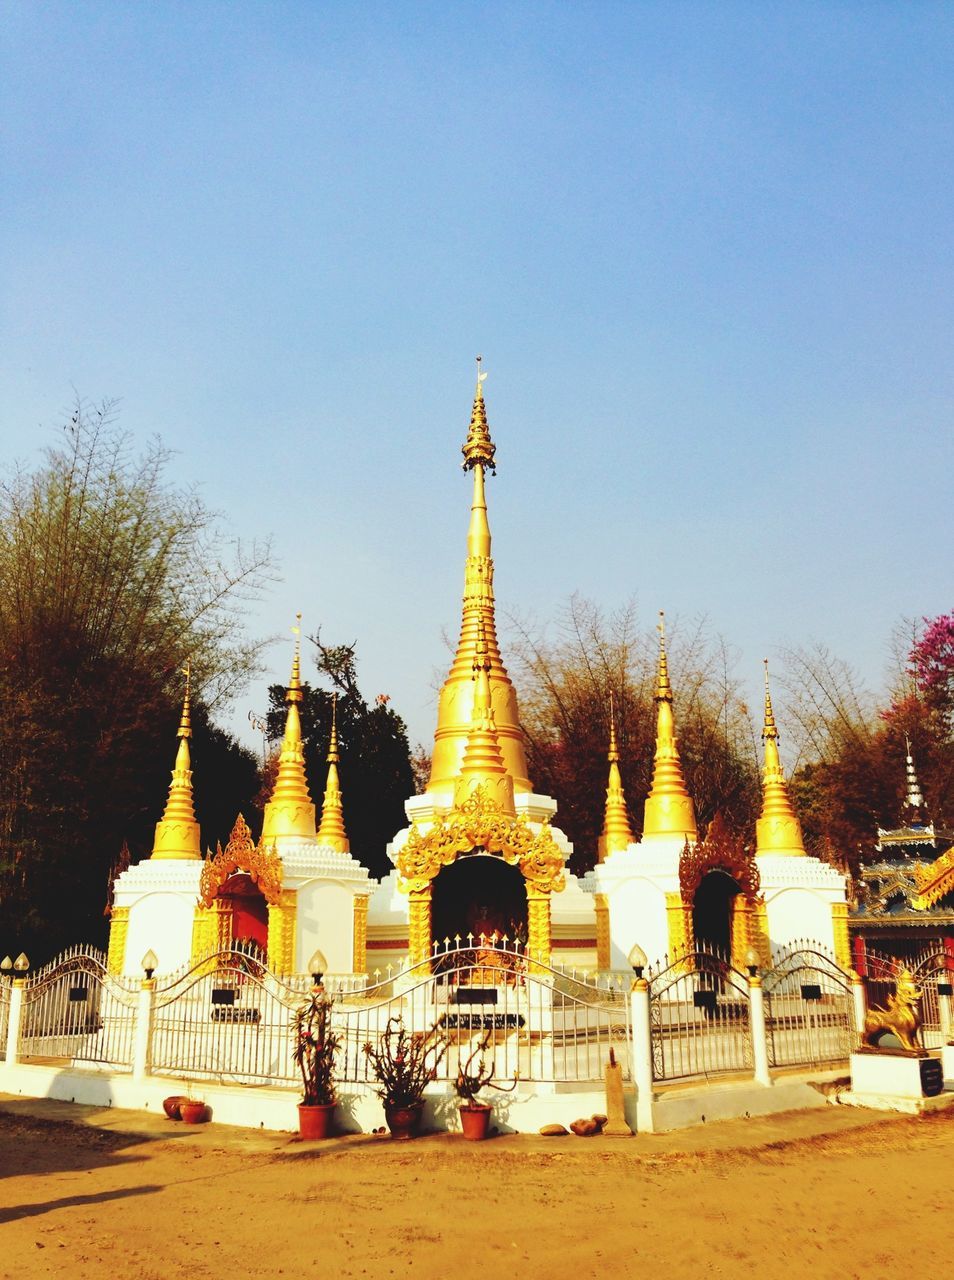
<point>760,1056</point>
<point>142,1043</point>
<point>642,1055</point>
<point>858,999</point>
<point>944,1010</point>
<point>14,1020</point>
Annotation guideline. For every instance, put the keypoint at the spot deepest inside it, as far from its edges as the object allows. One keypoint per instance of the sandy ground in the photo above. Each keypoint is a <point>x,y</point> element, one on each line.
<point>837,1192</point>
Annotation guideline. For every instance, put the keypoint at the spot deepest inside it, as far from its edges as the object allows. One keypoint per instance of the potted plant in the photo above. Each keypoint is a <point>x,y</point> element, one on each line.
<point>472,1076</point>
<point>403,1063</point>
<point>314,1053</point>
<point>193,1111</point>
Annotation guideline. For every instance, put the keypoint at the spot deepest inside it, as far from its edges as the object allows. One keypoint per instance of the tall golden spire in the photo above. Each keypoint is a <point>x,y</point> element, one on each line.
<point>669,810</point>
<point>483,763</point>
<point>617,832</point>
<point>332,830</point>
<point>777,831</point>
<point>177,832</point>
<point>290,814</point>
<point>455,712</point>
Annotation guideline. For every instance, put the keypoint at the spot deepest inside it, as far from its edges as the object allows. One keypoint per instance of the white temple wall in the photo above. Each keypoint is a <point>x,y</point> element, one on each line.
<point>160,922</point>
<point>637,914</point>
<point>325,921</point>
<point>795,914</point>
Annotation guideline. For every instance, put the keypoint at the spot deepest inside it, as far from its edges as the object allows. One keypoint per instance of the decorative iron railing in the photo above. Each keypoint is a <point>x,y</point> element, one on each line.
<point>699,1008</point>
<point>73,1009</point>
<point>809,1009</point>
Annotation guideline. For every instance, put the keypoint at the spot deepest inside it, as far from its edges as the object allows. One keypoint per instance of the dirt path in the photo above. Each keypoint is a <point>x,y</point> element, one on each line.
<point>832,1193</point>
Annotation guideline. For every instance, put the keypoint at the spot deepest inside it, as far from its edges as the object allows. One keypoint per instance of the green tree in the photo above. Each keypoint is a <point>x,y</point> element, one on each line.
<point>375,768</point>
<point>111,577</point>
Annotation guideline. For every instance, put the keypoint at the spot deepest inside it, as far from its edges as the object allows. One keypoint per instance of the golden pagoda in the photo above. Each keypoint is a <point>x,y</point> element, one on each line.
<point>177,832</point>
<point>669,810</point>
<point>332,832</point>
<point>617,832</point>
<point>290,814</point>
<point>777,831</point>
<point>456,705</point>
<point>483,769</point>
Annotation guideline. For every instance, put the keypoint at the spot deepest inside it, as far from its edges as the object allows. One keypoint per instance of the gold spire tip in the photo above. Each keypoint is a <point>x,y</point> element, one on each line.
<point>770,729</point>
<point>293,693</point>
<point>479,449</point>
<point>663,686</point>
<point>185,722</point>
<point>612,754</point>
<point>333,741</point>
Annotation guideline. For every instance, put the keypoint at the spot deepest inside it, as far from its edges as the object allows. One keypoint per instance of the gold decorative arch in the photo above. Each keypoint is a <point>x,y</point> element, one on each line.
<point>934,880</point>
<point>721,850</point>
<point>262,864</point>
<point>479,824</point>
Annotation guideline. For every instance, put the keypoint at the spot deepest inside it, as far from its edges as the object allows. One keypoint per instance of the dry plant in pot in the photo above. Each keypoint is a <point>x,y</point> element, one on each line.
<point>404,1062</point>
<point>473,1075</point>
<point>315,1046</point>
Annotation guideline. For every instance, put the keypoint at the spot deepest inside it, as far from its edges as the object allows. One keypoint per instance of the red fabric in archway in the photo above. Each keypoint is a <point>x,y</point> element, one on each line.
<point>249,910</point>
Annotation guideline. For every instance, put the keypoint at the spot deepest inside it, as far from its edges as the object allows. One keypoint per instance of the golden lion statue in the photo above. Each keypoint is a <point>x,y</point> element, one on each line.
<point>901,1016</point>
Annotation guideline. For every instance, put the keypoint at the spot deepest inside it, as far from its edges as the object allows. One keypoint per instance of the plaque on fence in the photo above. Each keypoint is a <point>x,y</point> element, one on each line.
<point>228,1013</point>
<point>223,995</point>
<point>945,989</point>
<point>932,1077</point>
<point>705,1000</point>
<point>482,1021</point>
<point>79,993</point>
<point>476,995</point>
<point>811,991</point>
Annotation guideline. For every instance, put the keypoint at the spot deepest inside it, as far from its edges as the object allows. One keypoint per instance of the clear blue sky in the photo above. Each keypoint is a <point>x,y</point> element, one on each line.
<point>705,250</point>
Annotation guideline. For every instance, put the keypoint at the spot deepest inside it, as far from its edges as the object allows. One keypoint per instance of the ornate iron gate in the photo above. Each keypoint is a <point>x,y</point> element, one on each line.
<point>699,1006</point>
<point>75,1009</point>
<point>809,1012</point>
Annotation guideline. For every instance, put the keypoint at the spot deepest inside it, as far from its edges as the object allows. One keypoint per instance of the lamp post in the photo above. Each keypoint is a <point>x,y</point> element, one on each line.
<point>760,1057</point>
<point>317,967</point>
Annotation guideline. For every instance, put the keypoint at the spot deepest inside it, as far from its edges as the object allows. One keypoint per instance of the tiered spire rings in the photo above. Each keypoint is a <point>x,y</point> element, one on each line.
<point>483,763</point>
<point>617,832</point>
<point>456,705</point>
<point>177,832</point>
<point>332,830</point>
<point>777,831</point>
<point>290,814</point>
<point>669,810</point>
<point>914,811</point>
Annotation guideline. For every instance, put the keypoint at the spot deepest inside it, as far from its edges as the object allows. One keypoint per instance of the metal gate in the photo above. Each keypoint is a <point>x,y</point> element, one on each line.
<point>809,1013</point>
<point>5,985</point>
<point>75,1009</point>
<point>699,1006</point>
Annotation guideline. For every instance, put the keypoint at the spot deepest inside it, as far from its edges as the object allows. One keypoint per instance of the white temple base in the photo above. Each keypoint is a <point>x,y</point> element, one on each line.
<point>896,1082</point>
<point>161,895</point>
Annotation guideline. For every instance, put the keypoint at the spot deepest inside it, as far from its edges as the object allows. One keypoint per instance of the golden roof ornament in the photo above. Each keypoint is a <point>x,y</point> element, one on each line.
<point>617,833</point>
<point>455,711</point>
<point>478,449</point>
<point>483,762</point>
<point>669,810</point>
<point>332,832</point>
<point>290,814</point>
<point>177,832</point>
<point>261,864</point>
<point>777,831</point>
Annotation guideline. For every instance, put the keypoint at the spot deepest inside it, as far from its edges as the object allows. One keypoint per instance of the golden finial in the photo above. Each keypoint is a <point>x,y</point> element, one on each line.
<point>479,449</point>
<point>177,832</point>
<point>332,832</point>
<point>617,833</point>
<point>482,767</point>
<point>663,687</point>
<point>777,831</point>
<point>669,810</point>
<point>185,722</point>
<point>769,729</point>
<point>290,814</point>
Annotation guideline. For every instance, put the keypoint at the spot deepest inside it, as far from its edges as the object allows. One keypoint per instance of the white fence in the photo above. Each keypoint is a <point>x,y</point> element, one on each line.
<point>228,1019</point>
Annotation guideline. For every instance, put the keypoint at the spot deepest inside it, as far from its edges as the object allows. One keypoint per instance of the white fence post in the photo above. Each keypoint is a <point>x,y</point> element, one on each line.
<point>759,1034</point>
<point>859,1001</point>
<point>944,1011</point>
<point>142,1044</point>
<point>14,1019</point>
<point>642,1055</point>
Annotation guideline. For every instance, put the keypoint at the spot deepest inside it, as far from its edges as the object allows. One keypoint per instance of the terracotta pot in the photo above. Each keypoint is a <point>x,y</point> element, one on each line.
<point>314,1119</point>
<point>171,1106</point>
<point>475,1120</point>
<point>192,1112</point>
<point>404,1122</point>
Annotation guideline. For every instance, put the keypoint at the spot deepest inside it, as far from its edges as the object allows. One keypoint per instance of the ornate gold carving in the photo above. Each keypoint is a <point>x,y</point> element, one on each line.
<point>603,951</point>
<point>934,880</point>
<point>419,926</point>
<point>479,449</point>
<point>240,854</point>
<point>720,851</point>
<point>479,824</point>
<point>679,925</point>
<point>538,928</point>
<point>118,932</point>
<point>901,1016</point>
<point>360,945</point>
<point>281,932</point>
